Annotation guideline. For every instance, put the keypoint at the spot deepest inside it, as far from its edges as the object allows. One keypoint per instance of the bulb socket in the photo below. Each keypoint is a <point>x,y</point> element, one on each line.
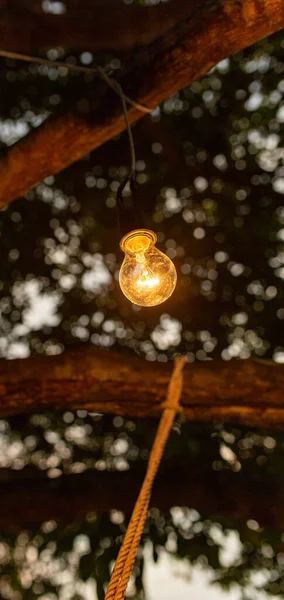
<point>130,213</point>
<point>138,240</point>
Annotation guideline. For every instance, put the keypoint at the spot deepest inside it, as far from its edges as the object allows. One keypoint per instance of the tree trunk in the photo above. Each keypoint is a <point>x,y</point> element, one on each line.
<point>211,32</point>
<point>243,392</point>
<point>70,497</point>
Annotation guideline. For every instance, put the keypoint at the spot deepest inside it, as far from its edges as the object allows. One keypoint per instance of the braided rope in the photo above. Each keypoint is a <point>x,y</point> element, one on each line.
<point>126,557</point>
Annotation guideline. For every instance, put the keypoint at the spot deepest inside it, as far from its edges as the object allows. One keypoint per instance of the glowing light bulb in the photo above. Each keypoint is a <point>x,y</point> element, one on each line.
<point>147,276</point>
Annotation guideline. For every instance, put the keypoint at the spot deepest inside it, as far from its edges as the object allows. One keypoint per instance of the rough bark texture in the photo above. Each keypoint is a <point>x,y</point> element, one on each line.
<point>93,25</point>
<point>70,497</point>
<point>213,30</point>
<point>245,392</point>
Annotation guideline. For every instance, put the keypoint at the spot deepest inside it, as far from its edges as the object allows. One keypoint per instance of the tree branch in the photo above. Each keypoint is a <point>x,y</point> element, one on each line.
<point>70,497</point>
<point>244,392</point>
<point>211,32</point>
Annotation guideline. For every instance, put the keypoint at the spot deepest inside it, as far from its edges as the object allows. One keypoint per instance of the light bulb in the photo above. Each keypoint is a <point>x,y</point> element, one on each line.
<point>147,276</point>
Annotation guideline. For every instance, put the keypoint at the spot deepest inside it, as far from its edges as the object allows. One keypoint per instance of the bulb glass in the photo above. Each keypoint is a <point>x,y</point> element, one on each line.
<point>147,276</point>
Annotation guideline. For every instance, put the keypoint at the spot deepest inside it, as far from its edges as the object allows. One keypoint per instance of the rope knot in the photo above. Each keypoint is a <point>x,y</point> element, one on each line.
<point>172,401</point>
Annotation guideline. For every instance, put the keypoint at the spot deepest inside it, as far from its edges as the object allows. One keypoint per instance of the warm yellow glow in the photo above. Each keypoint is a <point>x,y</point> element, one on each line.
<point>147,276</point>
<point>148,281</point>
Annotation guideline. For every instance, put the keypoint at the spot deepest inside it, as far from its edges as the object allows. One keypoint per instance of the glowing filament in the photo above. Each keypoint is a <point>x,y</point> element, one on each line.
<point>150,282</point>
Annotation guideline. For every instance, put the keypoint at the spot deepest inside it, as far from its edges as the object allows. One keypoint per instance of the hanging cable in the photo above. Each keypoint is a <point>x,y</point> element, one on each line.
<point>97,70</point>
<point>112,83</point>
<point>130,177</point>
<point>117,87</point>
<point>125,221</point>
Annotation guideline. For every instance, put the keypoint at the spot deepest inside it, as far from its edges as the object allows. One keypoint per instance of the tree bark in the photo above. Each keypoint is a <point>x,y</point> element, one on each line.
<point>70,497</point>
<point>211,32</point>
<point>242,392</point>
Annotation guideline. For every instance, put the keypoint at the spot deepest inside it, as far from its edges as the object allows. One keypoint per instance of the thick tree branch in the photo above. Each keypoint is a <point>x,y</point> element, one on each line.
<point>70,497</point>
<point>244,392</point>
<point>213,30</point>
